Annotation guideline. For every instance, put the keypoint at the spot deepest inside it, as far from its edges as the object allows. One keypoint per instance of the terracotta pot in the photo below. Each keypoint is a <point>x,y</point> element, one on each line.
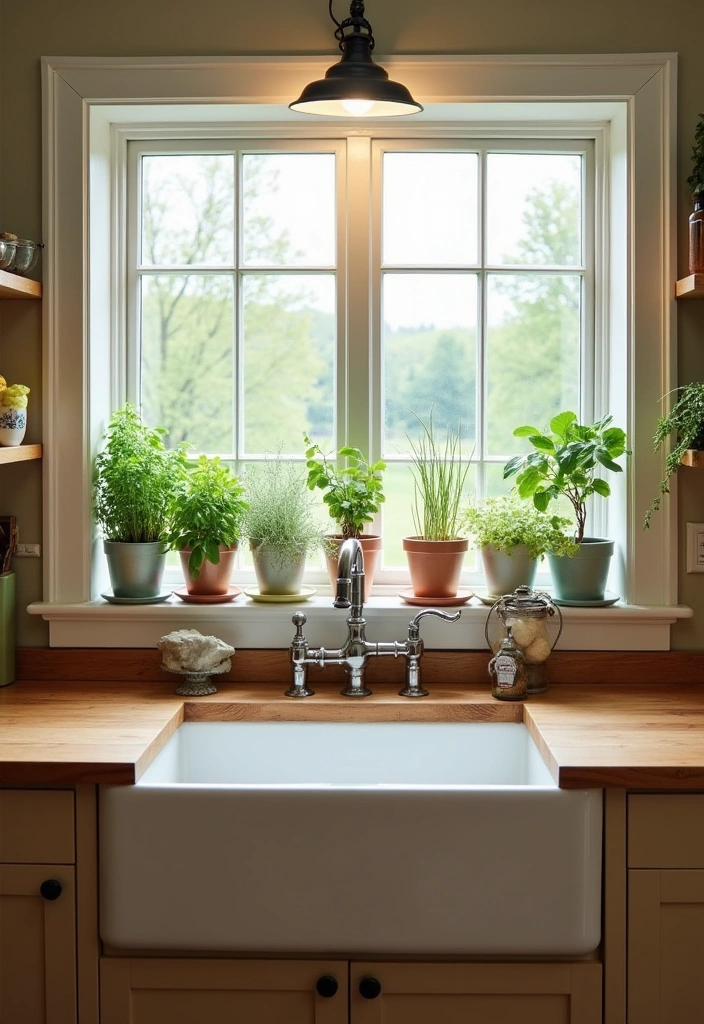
<point>435,565</point>
<point>212,579</point>
<point>371,549</point>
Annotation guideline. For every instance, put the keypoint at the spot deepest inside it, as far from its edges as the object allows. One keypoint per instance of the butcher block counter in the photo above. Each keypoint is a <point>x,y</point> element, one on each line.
<point>70,725</point>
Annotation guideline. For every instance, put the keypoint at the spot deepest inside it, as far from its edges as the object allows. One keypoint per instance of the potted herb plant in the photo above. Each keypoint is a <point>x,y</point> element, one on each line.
<point>282,525</point>
<point>511,536</point>
<point>564,465</point>
<point>436,552</point>
<point>696,185</point>
<point>353,491</point>
<point>135,480</point>
<point>686,422</point>
<point>207,518</point>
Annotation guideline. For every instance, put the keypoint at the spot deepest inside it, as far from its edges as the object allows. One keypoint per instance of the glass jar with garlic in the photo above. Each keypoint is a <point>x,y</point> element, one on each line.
<point>527,613</point>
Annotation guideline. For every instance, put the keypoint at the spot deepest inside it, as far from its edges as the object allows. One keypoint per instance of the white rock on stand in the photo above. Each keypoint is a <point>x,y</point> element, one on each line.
<point>187,650</point>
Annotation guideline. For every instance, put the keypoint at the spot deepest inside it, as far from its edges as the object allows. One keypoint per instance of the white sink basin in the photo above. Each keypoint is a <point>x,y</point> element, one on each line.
<point>364,838</point>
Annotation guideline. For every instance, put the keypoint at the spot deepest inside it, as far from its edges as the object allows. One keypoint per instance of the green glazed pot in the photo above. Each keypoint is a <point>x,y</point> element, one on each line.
<point>136,570</point>
<point>583,576</point>
<point>7,628</point>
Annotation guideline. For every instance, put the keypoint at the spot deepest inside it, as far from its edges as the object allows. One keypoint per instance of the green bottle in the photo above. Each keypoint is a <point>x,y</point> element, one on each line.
<point>7,628</point>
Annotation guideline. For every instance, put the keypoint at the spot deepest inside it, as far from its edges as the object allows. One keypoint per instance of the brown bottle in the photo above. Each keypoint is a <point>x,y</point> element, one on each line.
<point>696,236</point>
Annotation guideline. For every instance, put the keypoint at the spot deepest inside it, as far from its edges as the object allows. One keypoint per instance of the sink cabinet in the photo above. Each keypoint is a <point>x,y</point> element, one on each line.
<point>37,908</point>
<point>173,991</point>
<point>665,908</point>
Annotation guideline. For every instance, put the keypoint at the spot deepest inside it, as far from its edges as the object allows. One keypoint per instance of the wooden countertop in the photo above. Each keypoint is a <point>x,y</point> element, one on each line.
<point>643,736</point>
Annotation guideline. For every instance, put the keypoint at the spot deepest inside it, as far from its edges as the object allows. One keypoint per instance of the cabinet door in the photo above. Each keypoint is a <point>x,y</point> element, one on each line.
<point>37,946</point>
<point>221,992</point>
<point>665,942</point>
<point>476,993</point>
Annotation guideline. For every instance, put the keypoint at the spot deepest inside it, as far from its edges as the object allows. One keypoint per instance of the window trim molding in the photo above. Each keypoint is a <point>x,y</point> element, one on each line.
<point>77,390</point>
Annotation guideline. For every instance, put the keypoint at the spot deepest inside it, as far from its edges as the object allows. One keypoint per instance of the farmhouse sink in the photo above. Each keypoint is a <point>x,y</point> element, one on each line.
<point>364,838</point>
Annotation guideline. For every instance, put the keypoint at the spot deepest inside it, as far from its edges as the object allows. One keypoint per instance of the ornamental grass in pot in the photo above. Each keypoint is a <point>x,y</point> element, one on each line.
<point>135,480</point>
<point>207,517</point>
<point>511,536</point>
<point>282,524</point>
<point>436,552</point>
<point>564,465</point>
<point>353,492</point>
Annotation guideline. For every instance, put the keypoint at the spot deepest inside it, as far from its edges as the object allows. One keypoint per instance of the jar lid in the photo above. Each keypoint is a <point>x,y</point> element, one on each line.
<point>525,603</point>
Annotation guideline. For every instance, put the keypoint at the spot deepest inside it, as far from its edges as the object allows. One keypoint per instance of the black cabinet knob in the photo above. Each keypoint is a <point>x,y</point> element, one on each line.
<point>326,986</point>
<point>369,988</point>
<point>50,889</point>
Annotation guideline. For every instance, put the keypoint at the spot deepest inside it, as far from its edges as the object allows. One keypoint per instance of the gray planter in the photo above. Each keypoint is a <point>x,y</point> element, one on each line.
<point>504,572</point>
<point>136,570</point>
<point>275,573</point>
<point>582,578</point>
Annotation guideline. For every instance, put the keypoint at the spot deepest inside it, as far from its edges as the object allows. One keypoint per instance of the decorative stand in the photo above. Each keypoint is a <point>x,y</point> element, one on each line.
<point>197,684</point>
<point>188,653</point>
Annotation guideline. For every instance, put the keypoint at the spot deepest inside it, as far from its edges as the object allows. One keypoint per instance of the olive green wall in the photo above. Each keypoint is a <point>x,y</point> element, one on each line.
<point>181,28</point>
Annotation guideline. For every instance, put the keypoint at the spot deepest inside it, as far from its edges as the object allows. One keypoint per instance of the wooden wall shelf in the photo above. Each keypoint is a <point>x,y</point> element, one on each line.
<point>22,453</point>
<point>694,458</point>
<point>691,287</point>
<point>14,287</point>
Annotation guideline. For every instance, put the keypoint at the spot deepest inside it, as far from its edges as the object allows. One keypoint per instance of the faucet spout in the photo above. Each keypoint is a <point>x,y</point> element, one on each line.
<point>350,577</point>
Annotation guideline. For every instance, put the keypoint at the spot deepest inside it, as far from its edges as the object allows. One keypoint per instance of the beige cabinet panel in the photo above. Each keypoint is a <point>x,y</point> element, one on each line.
<point>37,946</point>
<point>666,830</point>
<point>478,994</point>
<point>36,826</point>
<point>665,942</point>
<point>220,992</point>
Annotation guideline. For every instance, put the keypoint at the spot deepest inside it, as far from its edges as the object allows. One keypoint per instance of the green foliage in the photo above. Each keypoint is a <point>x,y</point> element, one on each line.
<point>565,462</point>
<point>354,492</point>
<point>439,476</point>
<point>507,522</point>
<point>282,513</point>
<point>696,178</point>
<point>135,479</point>
<point>686,421</point>
<point>207,511</point>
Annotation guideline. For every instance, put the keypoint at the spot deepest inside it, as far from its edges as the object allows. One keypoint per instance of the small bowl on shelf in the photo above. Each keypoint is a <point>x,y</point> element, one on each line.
<point>8,250</point>
<point>26,256</point>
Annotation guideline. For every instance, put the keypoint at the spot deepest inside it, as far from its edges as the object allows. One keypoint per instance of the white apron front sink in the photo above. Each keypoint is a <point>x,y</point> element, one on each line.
<point>363,838</point>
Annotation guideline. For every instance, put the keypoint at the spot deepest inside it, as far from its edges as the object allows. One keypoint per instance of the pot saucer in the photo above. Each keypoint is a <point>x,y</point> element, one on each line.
<point>232,593</point>
<point>607,600</point>
<point>461,597</point>
<point>304,594</point>
<point>109,596</point>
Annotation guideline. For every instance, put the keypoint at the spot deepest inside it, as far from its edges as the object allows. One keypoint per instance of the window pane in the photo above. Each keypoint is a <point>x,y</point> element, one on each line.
<point>187,210</point>
<point>534,209</point>
<point>289,361</point>
<point>532,353</point>
<point>429,342</point>
<point>429,208</point>
<point>289,209</point>
<point>187,367</point>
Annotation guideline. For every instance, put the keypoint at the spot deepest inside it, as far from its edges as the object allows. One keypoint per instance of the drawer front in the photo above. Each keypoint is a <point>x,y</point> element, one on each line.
<point>666,831</point>
<point>36,826</point>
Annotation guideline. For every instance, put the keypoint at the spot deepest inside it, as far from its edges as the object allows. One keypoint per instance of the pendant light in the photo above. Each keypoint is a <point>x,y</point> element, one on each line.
<point>355,86</point>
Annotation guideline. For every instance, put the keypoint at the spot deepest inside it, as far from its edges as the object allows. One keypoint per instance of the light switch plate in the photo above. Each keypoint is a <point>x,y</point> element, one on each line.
<point>695,547</point>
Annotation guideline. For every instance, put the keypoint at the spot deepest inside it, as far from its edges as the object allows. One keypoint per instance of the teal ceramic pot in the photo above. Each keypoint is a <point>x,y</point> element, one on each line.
<point>136,570</point>
<point>583,576</point>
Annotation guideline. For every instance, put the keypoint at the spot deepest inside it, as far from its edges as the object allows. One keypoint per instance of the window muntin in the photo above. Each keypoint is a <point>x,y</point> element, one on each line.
<point>268,300</point>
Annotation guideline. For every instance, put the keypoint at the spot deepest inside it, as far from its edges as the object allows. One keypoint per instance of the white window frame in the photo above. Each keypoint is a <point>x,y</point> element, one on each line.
<point>629,101</point>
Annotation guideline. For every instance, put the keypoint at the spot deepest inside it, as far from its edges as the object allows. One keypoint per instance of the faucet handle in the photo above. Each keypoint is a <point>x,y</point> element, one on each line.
<point>414,624</point>
<point>299,620</point>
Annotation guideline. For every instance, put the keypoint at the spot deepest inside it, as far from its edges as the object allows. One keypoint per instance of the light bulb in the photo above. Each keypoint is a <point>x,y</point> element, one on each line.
<point>357,107</point>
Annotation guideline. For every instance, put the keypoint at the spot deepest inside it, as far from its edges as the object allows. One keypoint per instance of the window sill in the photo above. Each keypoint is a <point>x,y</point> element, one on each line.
<point>246,624</point>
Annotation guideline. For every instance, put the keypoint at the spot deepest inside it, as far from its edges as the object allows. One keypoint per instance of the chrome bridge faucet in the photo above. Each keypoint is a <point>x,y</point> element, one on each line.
<point>356,651</point>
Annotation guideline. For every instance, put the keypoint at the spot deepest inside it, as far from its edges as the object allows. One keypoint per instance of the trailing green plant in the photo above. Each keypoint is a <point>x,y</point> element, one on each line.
<point>696,178</point>
<point>565,463</point>
<point>135,479</point>
<point>354,491</point>
<point>507,522</point>
<point>686,421</point>
<point>207,511</point>
<point>439,476</point>
<point>282,513</point>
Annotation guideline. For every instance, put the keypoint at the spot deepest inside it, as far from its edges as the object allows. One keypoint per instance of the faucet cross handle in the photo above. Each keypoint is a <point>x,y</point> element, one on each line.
<point>299,620</point>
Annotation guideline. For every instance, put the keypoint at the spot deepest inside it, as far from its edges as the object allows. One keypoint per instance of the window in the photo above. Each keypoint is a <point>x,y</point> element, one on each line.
<point>615,111</point>
<point>480,301</point>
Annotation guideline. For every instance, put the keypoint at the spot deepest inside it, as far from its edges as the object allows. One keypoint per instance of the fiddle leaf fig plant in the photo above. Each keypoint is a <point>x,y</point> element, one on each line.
<point>565,463</point>
<point>207,512</point>
<point>354,492</point>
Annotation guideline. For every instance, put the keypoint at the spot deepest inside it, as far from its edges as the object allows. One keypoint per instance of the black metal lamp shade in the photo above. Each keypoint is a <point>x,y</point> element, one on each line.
<point>355,86</point>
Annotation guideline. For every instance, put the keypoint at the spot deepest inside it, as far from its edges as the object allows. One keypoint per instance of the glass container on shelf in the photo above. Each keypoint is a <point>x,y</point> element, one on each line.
<point>525,616</point>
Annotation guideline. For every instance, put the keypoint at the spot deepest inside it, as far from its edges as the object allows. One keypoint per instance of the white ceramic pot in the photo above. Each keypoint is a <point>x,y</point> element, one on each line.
<point>13,424</point>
